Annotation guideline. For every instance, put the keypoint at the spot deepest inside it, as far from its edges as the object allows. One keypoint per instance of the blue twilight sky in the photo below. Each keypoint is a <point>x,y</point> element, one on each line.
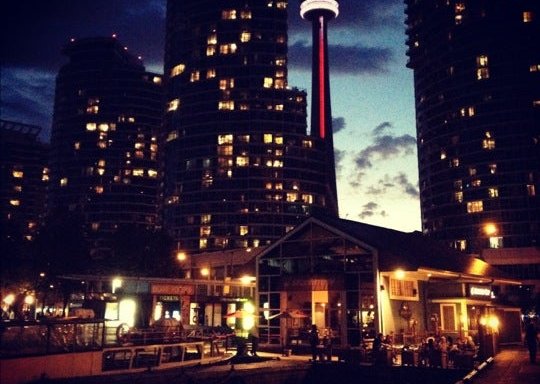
<point>372,90</point>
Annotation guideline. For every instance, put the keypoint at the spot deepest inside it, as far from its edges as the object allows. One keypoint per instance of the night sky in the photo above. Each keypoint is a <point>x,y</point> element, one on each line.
<point>372,90</point>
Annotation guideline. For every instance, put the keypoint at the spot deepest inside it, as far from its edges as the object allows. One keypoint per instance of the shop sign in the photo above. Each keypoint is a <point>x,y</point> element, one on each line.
<point>168,298</point>
<point>172,289</point>
<point>479,291</point>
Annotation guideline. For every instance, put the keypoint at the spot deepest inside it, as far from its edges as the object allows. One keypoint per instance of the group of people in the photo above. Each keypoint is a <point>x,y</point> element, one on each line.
<point>321,347</point>
<point>531,340</point>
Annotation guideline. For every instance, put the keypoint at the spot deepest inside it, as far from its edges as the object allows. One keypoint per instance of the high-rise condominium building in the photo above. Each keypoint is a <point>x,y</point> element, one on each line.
<point>104,160</point>
<point>476,70</point>
<point>240,167</point>
<point>23,180</point>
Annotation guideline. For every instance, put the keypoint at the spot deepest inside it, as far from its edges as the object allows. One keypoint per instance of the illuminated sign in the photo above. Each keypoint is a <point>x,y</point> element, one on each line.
<point>480,290</point>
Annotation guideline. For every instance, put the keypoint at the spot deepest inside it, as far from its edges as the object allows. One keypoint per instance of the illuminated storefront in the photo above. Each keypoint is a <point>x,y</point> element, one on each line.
<point>354,280</point>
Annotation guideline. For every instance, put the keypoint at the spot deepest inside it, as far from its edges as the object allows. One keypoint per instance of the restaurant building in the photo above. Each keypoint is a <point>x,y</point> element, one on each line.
<point>354,280</point>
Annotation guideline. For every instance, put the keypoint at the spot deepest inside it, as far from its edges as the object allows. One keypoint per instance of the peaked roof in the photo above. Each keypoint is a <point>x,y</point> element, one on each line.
<point>411,251</point>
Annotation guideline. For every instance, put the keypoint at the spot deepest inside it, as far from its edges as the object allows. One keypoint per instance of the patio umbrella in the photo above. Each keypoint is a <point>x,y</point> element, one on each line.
<point>290,314</point>
<point>239,314</point>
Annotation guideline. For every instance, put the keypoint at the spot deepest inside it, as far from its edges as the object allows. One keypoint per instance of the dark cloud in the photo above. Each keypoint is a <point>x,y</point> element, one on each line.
<point>338,123</point>
<point>27,97</point>
<point>385,147</point>
<point>381,128</point>
<point>344,59</point>
<point>371,209</point>
<point>338,159</point>
<point>400,181</point>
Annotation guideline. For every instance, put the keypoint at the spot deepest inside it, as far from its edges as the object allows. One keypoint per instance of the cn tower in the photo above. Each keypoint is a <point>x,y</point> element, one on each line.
<point>320,12</point>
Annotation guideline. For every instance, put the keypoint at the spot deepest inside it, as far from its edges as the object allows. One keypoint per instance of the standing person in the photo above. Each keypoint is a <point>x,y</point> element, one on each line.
<point>314,342</point>
<point>531,339</point>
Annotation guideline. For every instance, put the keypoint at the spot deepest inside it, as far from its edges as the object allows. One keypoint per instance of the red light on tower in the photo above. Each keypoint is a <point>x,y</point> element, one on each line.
<point>319,12</point>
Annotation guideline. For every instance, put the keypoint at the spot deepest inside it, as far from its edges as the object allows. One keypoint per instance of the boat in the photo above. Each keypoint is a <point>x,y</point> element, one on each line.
<point>69,348</point>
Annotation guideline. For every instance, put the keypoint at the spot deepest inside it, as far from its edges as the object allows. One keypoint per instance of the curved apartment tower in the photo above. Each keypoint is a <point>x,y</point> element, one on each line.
<point>240,169</point>
<point>107,115</point>
<point>477,83</point>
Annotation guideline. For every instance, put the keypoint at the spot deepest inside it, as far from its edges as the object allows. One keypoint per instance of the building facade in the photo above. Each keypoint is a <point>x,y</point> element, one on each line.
<point>240,168</point>
<point>104,157</point>
<point>23,181</point>
<point>477,92</point>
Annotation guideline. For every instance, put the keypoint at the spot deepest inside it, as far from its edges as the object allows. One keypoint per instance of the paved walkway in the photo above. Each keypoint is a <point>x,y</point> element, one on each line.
<point>510,366</point>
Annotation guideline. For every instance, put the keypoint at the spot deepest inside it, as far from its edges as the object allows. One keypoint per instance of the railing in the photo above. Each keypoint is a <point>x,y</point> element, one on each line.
<point>50,337</point>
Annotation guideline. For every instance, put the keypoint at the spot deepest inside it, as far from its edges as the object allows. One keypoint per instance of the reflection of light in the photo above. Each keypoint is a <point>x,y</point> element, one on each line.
<point>246,279</point>
<point>126,311</point>
<point>400,274</point>
<point>116,283</point>
<point>9,299</point>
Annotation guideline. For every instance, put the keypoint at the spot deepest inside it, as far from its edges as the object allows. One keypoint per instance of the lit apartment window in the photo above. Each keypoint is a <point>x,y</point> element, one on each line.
<point>210,50</point>
<point>496,242</point>
<point>203,243</point>
<point>245,14</point>
<point>476,183</point>
<point>17,188</point>
<point>156,80</point>
<point>17,173</point>
<point>226,49</point>
<point>173,105</point>
<point>281,39</point>
<point>225,150</point>
<point>98,189</point>
<point>281,61</point>
<point>244,229</point>
<point>212,39</point>
<point>225,139</point>
<point>211,73</point>
<point>458,185</point>
<point>279,84</point>
<point>534,68</point>
<point>245,36</point>
<point>482,70</point>
<point>527,16</point>
<point>63,181</point>
<point>178,70</point>
<point>226,83</point>
<point>244,106</point>
<point>443,154</point>
<point>467,111</point>
<point>455,162</point>
<point>460,245</point>
<point>531,190</point>
<point>103,127</point>
<point>92,107</point>
<point>268,138</point>
<point>493,192</point>
<point>15,202</point>
<point>488,143</point>
<point>243,138</point>
<point>472,171</point>
<point>226,105</point>
<point>195,76</point>
<point>268,82</point>
<point>458,197</point>
<point>206,218</point>
<point>492,168</point>
<point>281,4</point>
<point>205,230</point>
<point>475,206</point>
<point>459,10</point>
<point>307,143</point>
<point>292,196</point>
<point>307,198</point>
<point>228,14</point>
<point>242,161</point>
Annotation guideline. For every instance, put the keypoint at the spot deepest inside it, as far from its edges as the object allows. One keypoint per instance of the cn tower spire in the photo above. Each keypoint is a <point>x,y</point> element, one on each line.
<point>320,12</point>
